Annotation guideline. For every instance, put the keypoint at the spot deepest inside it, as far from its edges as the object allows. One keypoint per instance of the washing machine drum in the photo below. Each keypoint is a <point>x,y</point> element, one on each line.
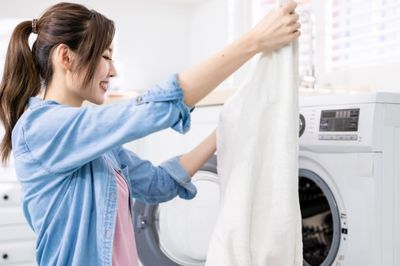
<point>178,232</point>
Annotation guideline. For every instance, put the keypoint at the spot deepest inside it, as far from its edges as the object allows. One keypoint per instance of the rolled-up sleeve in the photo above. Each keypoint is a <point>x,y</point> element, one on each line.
<point>156,184</point>
<point>174,168</point>
<point>170,90</point>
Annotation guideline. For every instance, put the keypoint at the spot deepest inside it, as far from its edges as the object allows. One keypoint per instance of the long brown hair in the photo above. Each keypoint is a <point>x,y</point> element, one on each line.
<point>86,32</point>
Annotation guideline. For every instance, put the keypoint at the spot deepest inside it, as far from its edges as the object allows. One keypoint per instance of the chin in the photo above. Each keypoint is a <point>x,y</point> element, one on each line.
<point>97,100</point>
<point>100,101</point>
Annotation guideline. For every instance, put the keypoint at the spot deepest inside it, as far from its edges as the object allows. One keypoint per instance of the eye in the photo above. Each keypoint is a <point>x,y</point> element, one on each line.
<point>107,58</point>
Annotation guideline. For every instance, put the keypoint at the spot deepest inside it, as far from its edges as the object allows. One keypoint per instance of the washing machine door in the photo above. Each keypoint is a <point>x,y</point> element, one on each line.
<point>320,220</point>
<point>178,232</point>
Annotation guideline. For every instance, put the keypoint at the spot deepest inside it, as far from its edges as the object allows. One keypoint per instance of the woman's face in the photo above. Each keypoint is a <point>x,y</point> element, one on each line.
<point>96,90</point>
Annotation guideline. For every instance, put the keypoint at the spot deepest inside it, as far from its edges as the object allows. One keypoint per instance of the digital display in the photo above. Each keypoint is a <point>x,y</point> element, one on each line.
<point>343,120</point>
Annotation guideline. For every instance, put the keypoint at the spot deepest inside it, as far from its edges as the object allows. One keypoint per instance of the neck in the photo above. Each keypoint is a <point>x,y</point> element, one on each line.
<point>58,92</point>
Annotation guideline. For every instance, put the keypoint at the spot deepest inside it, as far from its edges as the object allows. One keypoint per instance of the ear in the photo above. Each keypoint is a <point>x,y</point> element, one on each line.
<point>63,56</point>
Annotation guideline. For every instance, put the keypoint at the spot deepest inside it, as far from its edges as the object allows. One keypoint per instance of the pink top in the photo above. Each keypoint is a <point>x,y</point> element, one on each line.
<point>124,247</point>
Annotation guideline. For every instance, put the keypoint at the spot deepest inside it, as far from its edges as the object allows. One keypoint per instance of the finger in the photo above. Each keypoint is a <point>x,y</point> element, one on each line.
<point>294,18</point>
<point>294,27</point>
<point>291,19</point>
<point>295,35</point>
<point>289,7</point>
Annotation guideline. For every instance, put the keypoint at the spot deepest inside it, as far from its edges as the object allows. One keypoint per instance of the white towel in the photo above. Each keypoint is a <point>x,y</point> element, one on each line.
<point>259,222</point>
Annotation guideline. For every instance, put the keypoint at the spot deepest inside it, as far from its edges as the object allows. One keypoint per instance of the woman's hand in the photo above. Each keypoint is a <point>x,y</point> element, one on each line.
<point>277,29</point>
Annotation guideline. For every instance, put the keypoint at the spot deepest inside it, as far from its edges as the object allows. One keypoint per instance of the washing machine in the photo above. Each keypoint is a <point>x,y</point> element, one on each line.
<point>349,187</point>
<point>349,179</point>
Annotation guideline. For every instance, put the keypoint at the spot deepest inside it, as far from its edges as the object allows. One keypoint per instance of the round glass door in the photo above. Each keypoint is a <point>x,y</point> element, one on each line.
<point>320,220</point>
<point>185,227</point>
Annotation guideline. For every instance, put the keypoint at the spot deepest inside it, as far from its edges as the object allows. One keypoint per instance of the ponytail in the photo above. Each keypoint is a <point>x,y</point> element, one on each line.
<point>20,81</point>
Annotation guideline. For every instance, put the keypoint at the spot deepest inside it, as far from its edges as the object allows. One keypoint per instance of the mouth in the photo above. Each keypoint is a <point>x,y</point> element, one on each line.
<point>104,85</point>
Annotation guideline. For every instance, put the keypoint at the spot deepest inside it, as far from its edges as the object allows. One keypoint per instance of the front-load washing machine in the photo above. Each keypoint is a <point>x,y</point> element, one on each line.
<point>349,179</point>
<point>349,188</point>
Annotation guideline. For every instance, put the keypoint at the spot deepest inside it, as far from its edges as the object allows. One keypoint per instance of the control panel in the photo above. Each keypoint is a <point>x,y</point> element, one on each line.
<point>341,121</point>
<point>345,120</point>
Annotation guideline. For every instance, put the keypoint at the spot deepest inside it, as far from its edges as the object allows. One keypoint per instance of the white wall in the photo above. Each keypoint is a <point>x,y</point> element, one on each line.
<point>209,29</point>
<point>152,41</point>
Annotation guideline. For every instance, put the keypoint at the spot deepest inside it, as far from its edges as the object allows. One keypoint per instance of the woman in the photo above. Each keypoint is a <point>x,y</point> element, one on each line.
<point>77,180</point>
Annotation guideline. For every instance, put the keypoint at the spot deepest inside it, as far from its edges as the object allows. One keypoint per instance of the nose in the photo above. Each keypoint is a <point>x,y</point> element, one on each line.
<point>112,72</point>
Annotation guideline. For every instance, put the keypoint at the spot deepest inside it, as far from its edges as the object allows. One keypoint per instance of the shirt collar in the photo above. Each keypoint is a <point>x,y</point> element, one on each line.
<point>36,101</point>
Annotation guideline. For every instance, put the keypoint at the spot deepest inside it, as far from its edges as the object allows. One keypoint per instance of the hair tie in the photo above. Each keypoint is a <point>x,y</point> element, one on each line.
<point>34,25</point>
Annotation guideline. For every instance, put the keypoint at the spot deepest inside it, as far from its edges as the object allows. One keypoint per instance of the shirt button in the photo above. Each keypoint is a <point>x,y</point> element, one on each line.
<point>108,233</point>
<point>139,99</point>
<point>113,195</point>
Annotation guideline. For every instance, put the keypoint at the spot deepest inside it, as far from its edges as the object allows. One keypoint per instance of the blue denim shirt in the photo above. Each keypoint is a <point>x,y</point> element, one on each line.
<point>64,159</point>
